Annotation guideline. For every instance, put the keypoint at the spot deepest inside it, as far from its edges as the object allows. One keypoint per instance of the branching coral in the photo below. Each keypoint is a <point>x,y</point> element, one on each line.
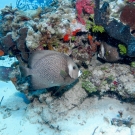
<point>48,41</point>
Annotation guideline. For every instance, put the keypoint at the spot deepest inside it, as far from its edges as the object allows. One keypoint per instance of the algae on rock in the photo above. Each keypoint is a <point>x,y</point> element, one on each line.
<point>88,86</point>
<point>85,74</point>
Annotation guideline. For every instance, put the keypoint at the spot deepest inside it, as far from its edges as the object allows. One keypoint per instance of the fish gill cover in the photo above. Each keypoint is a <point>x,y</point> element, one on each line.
<point>32,4</point>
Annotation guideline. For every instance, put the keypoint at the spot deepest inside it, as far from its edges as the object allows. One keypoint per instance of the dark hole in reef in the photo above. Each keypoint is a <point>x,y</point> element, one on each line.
<point>133,32</point>
<point>113,94</point>
<point>84,65</point>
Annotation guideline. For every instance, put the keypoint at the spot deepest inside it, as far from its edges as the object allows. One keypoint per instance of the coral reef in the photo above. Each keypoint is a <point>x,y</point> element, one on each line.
<point>44,31</point>
<point>95,43</point>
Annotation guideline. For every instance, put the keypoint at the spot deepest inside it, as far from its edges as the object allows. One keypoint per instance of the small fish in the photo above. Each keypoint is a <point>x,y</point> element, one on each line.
<point>49,68</point>
<point>108,53</point>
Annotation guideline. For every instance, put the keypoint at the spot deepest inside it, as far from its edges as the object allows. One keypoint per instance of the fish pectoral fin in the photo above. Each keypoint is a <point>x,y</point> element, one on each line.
<point>63,74</point>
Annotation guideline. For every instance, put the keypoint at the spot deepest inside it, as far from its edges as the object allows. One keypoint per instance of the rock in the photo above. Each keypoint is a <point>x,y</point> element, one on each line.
<point>7,42</point>
<point>32,39</point>
<point>97,74</point>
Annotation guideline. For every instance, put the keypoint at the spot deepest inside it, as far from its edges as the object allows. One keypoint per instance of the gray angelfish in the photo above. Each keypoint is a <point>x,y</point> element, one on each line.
<point>50,68</point>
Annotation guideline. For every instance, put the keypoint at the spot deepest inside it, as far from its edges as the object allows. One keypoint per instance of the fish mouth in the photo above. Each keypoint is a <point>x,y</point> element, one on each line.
<point>79,73</point>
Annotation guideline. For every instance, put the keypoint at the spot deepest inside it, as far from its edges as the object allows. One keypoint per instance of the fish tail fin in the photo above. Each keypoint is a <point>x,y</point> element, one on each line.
<point>24,71</point>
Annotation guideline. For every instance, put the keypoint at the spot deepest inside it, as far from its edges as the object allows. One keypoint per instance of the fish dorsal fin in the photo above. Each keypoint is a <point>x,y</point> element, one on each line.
<point>37,55</point>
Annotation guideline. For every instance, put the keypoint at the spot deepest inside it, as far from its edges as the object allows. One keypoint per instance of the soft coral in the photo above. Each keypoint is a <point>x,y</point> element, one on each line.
<point>86,6</point>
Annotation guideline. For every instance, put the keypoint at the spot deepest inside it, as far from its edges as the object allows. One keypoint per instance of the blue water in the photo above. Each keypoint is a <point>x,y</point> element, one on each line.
<point>25,4</point>
<point>32,4</point>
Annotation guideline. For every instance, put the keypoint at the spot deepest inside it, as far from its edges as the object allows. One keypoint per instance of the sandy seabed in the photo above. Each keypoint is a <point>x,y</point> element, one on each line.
<point>92,117</point>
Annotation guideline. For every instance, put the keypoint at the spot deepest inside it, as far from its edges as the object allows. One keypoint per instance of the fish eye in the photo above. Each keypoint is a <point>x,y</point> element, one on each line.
<point>74,67</point>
